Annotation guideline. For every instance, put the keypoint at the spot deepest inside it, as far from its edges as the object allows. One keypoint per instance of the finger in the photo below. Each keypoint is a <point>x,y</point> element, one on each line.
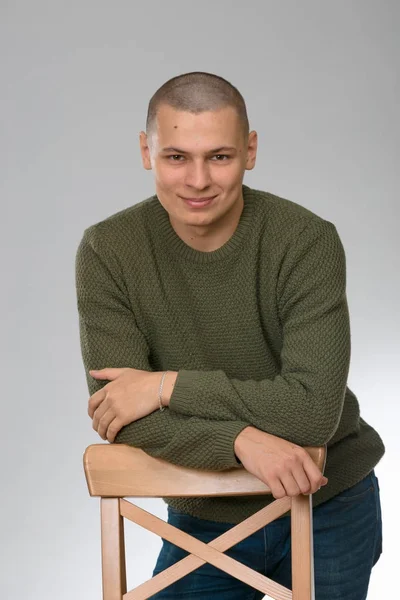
<point>276,487</point>
<point>99,412</point>
<point>107,373</point>
<point>301,479</point>
<point>96,399</point>
<point>316,478</point>
<point>104,423</point>
<point>113,428</point>
<point>290,485</point>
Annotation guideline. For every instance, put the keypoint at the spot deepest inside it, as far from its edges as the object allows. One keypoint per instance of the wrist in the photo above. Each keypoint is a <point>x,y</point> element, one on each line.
<point>238,443</point>
<point>241,439</point>
<point>168,387</point>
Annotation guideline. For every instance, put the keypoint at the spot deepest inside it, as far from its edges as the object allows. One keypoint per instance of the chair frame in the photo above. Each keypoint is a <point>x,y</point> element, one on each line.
<point>117,471</point>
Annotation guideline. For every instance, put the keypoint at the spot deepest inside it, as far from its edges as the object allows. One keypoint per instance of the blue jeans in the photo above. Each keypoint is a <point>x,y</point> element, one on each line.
<point>347,544</point>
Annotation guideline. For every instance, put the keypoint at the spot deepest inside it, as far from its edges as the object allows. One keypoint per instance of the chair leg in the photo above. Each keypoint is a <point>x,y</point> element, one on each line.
<point>302,548</point>
<point>112,549</point>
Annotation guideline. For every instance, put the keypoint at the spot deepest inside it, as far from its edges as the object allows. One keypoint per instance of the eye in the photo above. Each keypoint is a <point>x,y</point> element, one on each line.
<point>173,156</point>
<point>224,156</point>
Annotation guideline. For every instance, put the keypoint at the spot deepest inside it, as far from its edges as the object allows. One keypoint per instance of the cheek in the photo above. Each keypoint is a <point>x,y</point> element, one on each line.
<point>167,177</point>
<point>229,178</point>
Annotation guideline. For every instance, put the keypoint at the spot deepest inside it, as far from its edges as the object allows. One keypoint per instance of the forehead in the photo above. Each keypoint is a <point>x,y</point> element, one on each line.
<point>215,128</point>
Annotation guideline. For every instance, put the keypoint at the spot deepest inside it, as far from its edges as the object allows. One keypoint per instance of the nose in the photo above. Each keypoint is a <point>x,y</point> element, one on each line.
<point>197,175</point>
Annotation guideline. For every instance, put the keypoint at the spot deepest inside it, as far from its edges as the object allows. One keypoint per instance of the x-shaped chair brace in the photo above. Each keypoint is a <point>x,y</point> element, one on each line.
<point>213,553</point>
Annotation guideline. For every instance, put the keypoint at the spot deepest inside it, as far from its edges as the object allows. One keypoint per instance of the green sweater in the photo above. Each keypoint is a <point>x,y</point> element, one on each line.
<point>258,330</point>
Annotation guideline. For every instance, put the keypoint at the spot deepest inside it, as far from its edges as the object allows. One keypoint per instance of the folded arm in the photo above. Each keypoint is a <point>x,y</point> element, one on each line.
<point>304,402</point>
<point>110,337</point>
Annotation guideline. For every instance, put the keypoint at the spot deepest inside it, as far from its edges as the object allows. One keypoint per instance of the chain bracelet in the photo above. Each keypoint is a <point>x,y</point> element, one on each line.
<point>160,391</point>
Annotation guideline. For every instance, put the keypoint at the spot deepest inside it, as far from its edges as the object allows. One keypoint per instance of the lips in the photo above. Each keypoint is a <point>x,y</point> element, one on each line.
<point>198,202</point>
<point>199,199</point>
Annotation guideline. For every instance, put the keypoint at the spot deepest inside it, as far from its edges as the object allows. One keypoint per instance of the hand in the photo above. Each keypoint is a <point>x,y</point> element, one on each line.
<point>130,395</point>
<point>286,468</point>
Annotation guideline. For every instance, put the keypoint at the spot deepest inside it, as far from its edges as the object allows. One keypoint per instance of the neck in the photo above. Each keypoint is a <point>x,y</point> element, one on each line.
<point>213,236</point>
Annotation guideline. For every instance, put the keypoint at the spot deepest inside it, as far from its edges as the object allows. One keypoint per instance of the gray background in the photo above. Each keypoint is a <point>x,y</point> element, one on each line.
<point>321,81</point>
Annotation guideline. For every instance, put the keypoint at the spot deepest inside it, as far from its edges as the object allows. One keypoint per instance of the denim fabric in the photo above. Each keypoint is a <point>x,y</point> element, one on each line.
<point>347,543</point>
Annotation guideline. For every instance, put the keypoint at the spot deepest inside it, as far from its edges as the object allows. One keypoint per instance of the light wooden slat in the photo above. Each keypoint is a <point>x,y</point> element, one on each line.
<point>112,549</point>
<point>119,470</point>
<point>204,551</point>
<point>302,548</point>
<point>225,541</point>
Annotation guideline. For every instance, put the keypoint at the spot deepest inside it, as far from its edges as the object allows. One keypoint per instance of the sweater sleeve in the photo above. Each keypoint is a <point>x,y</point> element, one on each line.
<point>109,337</point>
<point>304,402</point>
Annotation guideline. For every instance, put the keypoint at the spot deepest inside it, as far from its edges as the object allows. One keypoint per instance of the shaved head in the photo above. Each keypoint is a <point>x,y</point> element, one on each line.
<point>197,92</point>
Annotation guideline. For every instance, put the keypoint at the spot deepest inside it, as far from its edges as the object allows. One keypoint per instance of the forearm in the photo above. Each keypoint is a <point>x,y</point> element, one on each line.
<point>189,442</point>
<point>283,408</point>
<point>304,401</point>
<point>213,395</point>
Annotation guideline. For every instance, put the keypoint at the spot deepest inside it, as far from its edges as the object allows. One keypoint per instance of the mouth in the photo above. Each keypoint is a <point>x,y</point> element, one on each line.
<point>198,202</point>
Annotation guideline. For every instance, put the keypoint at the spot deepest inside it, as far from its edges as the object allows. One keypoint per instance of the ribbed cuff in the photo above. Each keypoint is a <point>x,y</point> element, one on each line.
<point>185,391</point>
<point>224,444</point>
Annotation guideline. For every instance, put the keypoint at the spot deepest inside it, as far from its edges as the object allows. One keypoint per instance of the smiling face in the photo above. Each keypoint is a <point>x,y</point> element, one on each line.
<point>198,156</point>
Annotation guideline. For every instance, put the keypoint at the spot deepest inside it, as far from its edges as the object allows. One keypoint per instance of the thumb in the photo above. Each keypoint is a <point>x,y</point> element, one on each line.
<point>107,373</point>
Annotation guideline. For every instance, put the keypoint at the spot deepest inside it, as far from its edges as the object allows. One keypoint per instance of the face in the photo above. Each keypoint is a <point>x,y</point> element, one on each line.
<point>199,156</point>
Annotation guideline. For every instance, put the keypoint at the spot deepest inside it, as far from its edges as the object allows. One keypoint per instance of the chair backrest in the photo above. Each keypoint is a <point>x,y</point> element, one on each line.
<point>116,471</point>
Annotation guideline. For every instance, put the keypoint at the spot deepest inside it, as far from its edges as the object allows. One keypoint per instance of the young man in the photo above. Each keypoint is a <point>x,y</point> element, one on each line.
<point>227,305</point>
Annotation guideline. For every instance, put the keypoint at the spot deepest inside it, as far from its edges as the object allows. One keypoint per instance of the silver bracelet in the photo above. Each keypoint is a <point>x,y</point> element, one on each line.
<point>160,391</point>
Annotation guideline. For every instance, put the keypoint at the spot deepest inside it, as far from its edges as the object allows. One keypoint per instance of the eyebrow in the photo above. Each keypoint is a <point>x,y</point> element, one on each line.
<point>214,151</point>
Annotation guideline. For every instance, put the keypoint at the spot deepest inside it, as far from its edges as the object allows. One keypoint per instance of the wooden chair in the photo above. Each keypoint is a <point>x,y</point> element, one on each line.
<point>116,471</point>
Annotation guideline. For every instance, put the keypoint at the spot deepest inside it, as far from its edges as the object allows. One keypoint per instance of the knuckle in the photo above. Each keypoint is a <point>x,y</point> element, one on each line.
<point>287,462</point>
<point>296,460</point>
<point>300,453</point>
<point>273,474</point>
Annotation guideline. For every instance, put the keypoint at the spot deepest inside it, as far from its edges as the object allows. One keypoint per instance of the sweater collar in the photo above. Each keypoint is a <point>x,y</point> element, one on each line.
<point>176,246</point>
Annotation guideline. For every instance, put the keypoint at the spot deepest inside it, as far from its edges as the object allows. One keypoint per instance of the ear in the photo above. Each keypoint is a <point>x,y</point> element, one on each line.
<point>145,151</point>
<point>251,150</point>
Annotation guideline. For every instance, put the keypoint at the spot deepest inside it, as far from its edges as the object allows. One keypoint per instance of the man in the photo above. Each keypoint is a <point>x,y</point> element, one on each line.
<point>227,305</point>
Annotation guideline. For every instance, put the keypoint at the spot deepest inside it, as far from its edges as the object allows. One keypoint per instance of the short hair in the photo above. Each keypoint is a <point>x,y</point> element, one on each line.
<point>197,92</point>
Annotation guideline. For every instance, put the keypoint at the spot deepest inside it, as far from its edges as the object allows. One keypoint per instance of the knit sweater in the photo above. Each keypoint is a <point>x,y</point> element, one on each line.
<point>258,331</point>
